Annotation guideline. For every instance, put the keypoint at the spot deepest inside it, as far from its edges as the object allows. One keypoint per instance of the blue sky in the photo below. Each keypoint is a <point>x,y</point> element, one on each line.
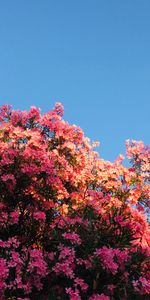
<point>91,55</point>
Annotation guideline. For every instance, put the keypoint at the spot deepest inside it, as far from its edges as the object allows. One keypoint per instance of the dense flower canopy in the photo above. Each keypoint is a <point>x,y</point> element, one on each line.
<point>72,225</point>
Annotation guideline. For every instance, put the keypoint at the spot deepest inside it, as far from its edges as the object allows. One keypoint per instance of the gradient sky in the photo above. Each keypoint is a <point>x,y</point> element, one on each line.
<point>91,55</point>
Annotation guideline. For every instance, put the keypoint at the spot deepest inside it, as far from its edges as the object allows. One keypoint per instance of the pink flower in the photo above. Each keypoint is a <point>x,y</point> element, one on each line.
<point>9,179</point>
<point>34,113</point>
<point>39,215</point>
<point>4,112</point>
<point>15,260</point>
<point>119,159</point>
<point>118,219</point>
<point>142,286</point>
<point>81,283</point>
<point>64,267</point>
<point>74,295</point>
<point>3,219</point>
<point>59,109</point>
<point>106,256</point>
<point>14,215</point>
<point>16,117</point>
<point>13,242</point>
<point>65,252</point>
<point>72,237</point>
<point>4,272</point>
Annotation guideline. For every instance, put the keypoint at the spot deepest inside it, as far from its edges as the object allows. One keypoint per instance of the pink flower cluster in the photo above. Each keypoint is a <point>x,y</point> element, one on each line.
<point>72,225</point>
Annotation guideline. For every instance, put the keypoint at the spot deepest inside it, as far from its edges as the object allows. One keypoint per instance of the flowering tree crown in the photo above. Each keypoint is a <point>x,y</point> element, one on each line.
<point>72,225</point>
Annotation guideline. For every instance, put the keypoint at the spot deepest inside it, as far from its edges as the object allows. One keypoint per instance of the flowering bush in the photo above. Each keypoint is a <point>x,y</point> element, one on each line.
<point>72,225</point>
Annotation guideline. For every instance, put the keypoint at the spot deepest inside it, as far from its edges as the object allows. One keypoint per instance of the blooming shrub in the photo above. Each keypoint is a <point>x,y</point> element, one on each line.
<point>72,225</point>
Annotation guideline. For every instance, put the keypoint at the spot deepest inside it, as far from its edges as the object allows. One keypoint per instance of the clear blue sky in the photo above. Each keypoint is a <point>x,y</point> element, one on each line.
<point>92,55</point>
